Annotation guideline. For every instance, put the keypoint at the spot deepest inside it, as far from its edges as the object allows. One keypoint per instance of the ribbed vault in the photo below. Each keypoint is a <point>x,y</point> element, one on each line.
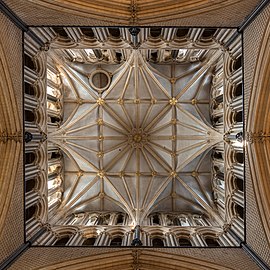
<point>141,145</point>
<point>130,12</point>
<point>132,259</point>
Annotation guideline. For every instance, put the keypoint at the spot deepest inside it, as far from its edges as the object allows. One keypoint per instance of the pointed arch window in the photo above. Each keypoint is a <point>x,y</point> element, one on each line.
<point>117,241</point>
<point>30,158</point>
<point>157,242</point>
<point>30,184</point>
<point>156,220</point>
<point>30,212</point>
<point>29,89</point>
<point>184,221</point>
<point>28,61</point>
<point>92,220</point>
<point>62,241</point>
<point>89,241</point>
<point>29,116</point>
<point>211,242</point>
<point>120,219</point>
<point>184,242</point>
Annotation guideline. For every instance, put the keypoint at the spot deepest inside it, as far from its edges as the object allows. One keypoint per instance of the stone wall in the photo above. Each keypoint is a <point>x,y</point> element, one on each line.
<point>222,13</point>
<point>11,147</point>
<point>253,37</point>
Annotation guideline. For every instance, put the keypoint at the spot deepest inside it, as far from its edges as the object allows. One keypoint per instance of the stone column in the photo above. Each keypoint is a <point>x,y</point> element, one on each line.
<point>172,239</point>
<point>103,239</point>
<point>197,240</point>
<point>76,239</point>
<point>167,240</point>
<point>31,198</point>
<point>32,226</point>
<point>31,171</point>
<point>237,227</point>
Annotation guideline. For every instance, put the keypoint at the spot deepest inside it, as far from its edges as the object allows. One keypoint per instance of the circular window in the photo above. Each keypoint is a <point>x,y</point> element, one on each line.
<point>100,80</point>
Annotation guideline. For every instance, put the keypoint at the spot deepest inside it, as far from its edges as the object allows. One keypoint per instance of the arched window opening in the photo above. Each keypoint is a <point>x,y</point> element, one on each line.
<point>62,241</point>
<point>28,61</point>
<point>239,211</point>
<point>184,221</point>
<point>212,242</point>
<point>220,183</point>
<point>237,63</point>
<point>184,242</point>
<point>97,53</point>
<point>30,184</point>
<point>217,119</point>
<point>30,158</point>
<point>88,32</point>
<point>30,212</point>
<point>173,221</point>
<point>238,90</point>
<point>217,105</point>
<point>176,222</point>
<point>238,117</point>
<point>29,89</point>
<point>118,56</point>
<point>60,31</point>
<point>120,220</point>
<point>104,220</point>
<point>55,119</point>
<point>92,220</point>
<point>220,175</point>
<point>174,54</point>
<point>100,221</point>
<point>155,31</point>
<point>198,221</point>
<point>55,155</point>
<point>156,220</point>
<point>54,169</point>
<point>89,241</point>
<point>157,242</point>
<point>154,56</point>
<point>29,116</point>
<point>209,32</point>
<point>217,155</point>
<point>239,183</point>
<point>116,242</point>
<point>219,99</point>
<point>239,157</point>
<point>218,196</point>
<point>114,32</point>
<point>182,32</point>
<point>53,105</point>
<point>56,182</point>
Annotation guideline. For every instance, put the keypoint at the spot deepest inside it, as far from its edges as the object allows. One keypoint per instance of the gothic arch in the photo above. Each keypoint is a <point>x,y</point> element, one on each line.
<point>120,12</point>
<point>126,259</point>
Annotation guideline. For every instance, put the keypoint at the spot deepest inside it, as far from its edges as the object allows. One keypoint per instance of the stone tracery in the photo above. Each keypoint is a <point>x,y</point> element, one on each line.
<point>174,131</point>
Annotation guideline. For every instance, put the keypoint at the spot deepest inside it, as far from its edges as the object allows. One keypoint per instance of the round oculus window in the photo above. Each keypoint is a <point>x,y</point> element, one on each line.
<point>100,80</point>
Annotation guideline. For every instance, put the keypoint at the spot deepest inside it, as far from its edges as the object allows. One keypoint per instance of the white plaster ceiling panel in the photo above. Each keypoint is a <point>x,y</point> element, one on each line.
<point>136,146</point>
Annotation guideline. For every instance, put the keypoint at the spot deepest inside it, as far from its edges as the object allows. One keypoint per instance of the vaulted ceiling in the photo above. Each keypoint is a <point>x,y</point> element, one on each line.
<point>137,136</point>
<point>130,12</point>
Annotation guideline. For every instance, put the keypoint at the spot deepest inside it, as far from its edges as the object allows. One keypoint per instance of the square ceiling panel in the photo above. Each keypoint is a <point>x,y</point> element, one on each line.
<point>142,128</point>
